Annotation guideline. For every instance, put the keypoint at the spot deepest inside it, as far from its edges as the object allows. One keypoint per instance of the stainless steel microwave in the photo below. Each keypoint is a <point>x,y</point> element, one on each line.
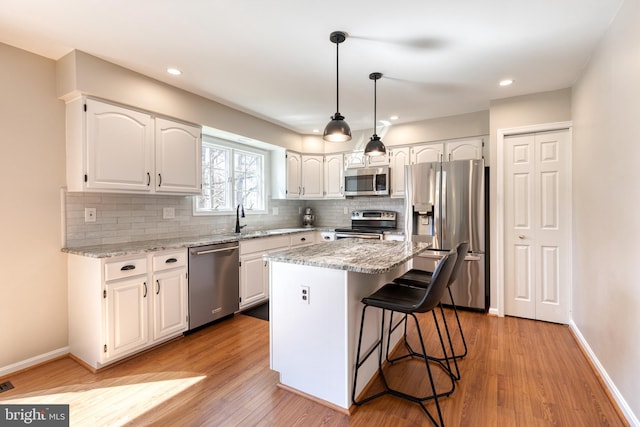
<point>367,181</point>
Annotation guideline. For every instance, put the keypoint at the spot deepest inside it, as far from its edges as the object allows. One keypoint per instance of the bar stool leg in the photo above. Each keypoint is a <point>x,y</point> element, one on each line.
<point>455,311</point>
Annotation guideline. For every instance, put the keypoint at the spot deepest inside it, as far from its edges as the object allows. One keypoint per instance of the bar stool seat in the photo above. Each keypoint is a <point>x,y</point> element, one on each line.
<point>408,300</point>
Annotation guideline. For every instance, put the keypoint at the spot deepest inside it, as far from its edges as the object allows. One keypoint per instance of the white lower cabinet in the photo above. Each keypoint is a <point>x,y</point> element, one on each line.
<point>170,296</point>
<point>127,314</point>
<point>254,271</point>
<point>120,306</point>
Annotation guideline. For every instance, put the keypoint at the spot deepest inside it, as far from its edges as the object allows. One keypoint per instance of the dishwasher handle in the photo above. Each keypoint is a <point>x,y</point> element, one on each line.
<point>211,251</point>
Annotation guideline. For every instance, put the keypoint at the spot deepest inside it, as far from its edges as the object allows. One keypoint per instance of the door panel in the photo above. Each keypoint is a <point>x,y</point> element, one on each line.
<point>537,229</point>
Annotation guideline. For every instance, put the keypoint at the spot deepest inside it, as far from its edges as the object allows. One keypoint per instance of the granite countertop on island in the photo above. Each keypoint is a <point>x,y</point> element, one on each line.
<point>357,255</point>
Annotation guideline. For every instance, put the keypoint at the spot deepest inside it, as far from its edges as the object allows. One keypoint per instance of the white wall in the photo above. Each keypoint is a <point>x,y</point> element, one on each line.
<point>33,288</point>
<point>545,107</point>
<point>606,192</point>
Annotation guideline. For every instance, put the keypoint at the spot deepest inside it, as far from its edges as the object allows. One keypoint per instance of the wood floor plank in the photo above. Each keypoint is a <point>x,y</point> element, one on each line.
<point>518,372</point>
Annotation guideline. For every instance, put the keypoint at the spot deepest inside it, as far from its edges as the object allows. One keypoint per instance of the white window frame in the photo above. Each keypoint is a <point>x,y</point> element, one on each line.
<point>230,208</point>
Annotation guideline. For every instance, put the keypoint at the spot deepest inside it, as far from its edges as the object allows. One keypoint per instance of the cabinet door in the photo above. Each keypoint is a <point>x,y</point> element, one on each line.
<point>334,176</point>
<point>464,150</point>
<point>169,303</point>
<point>374,161</point>
<point>294,181</point>
<point>178,157</point>
<point>127,316</point>
<point>426,153</point>
<point>312,177</point>
<point>254,280</point>
<point>354,160</point>
<point>119,146</point>
<point>399,159</point>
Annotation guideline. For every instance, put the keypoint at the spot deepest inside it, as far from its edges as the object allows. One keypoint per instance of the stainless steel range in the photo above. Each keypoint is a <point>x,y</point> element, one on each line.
<point>368,224</point>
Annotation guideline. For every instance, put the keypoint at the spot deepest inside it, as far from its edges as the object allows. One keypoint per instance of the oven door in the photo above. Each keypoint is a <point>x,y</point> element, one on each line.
<point>350,235</point>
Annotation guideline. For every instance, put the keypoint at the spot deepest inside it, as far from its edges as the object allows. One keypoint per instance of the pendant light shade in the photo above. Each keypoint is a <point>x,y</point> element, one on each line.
<point>375,147</point>
<point>337,130</point>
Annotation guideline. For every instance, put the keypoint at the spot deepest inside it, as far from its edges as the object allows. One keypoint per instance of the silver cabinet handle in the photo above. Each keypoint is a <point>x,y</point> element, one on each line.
<point>522,236</point>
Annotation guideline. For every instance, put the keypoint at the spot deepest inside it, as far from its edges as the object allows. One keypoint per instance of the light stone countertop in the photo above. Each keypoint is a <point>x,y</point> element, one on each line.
<point>122,249</point>
<point>357,255</point>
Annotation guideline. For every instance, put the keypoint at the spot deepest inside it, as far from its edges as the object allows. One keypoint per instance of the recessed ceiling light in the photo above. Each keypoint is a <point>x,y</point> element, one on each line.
<point>393,118</point>
<point>506,82</point>
<point>174,71</point>
<point>385,122</point>
<point>316,131</point>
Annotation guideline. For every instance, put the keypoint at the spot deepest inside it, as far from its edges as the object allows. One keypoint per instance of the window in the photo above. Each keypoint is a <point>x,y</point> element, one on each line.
<point>231,175</point>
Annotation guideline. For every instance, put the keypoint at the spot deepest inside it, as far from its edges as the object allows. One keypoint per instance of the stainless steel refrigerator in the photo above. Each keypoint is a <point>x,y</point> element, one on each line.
<point>445,205</point>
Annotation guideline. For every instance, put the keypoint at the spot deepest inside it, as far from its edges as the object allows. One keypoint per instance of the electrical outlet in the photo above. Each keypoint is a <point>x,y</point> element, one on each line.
<point>304,294</point>
<point>168,213</point>
<point>89,214</point>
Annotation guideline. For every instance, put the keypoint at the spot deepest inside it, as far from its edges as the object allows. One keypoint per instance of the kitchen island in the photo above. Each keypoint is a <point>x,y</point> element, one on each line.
<point>315,310</point>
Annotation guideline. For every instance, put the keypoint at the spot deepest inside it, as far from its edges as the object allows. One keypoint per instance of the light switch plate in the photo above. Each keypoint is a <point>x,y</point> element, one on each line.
<point>168,213</point>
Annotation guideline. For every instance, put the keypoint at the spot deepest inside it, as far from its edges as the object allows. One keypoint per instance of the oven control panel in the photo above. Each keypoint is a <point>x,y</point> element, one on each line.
<point>373,215</point>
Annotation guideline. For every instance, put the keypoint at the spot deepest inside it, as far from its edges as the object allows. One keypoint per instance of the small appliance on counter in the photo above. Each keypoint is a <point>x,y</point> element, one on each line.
<point>308,218</point>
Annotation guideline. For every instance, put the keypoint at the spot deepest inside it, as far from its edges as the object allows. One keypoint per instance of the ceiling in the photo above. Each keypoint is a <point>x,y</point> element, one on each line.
<point>274,60</point>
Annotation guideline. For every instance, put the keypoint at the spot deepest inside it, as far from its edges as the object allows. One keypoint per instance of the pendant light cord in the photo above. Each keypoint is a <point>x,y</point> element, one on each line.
<point>337,79</point>
<point>375,104</point>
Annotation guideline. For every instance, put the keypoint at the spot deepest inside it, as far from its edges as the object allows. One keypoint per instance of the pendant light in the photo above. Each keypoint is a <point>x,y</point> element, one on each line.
<point>375,147</point>
<point>337,129</point>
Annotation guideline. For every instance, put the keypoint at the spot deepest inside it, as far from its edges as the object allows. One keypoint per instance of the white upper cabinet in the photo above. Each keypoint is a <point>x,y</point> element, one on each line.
<point>334,176</point>
<point>426,153</point>
<point>117,149</point>
<point>470,149</point>
<point>373,161</point>
<point>312,176</point>
<point>400,157</point>
<point>354,160</point>
<point>178,149</point>
<point>294,178</point>
<point>304,176</point>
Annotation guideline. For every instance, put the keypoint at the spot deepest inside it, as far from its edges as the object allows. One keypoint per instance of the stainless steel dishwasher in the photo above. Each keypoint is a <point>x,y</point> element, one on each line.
<point>214,280</point>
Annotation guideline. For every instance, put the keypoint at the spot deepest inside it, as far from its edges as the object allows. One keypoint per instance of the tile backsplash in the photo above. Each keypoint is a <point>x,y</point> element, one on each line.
<point>122,218</point>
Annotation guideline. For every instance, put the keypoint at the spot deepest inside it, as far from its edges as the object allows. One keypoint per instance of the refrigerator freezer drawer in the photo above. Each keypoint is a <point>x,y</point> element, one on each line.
<point>469,289</point>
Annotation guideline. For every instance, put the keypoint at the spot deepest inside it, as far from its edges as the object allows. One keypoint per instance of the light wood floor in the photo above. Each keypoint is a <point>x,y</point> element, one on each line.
<point>518,373</point>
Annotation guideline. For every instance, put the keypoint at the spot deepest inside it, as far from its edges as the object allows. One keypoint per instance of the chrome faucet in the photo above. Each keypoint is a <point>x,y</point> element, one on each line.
<point>239,214</point>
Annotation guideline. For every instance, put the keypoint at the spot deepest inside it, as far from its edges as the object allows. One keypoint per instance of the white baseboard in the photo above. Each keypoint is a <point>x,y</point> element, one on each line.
<point>493,311</point>
<point>624,407</point>
<point>24,364</point>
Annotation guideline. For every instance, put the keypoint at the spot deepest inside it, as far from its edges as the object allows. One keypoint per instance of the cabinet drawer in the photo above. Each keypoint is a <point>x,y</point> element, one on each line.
<point>306,238</point>
<point>167,260</point>
<point>264,244</point>
<point>124,268</point>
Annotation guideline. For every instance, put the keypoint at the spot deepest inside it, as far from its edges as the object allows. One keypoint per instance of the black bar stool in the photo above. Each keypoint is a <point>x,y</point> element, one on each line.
<point>421,278</point>
<point>408,300</point>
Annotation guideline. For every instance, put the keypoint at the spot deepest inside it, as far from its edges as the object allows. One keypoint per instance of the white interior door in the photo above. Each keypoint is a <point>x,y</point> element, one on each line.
<point>537,226</point>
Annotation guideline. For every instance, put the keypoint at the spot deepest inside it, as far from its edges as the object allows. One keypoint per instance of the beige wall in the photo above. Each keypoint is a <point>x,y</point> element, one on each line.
<point>33,289</point>
<point>539,108</point>
<point>606,195</point>
<point>79,72</point>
